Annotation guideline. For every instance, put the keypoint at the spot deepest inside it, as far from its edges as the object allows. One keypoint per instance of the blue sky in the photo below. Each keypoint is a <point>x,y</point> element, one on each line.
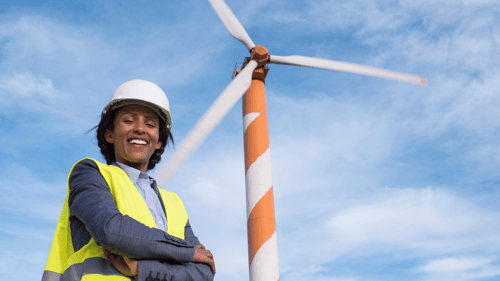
<point>373,179</point>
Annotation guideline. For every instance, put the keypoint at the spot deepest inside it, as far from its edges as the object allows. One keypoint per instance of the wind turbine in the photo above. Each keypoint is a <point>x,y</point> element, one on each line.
<point>249,83</point>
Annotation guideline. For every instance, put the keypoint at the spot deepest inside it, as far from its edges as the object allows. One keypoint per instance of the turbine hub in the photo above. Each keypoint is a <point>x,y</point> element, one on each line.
<point>260,54</point>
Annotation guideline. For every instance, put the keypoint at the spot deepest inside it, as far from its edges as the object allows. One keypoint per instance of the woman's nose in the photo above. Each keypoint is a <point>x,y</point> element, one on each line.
<point>139,126</point>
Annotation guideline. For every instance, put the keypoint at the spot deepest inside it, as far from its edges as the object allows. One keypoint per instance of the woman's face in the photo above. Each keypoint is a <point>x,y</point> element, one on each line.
<point>135,136</point>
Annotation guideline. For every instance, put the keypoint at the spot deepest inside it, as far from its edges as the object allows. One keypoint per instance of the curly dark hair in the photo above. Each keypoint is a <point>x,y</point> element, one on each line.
<point>107,149</point>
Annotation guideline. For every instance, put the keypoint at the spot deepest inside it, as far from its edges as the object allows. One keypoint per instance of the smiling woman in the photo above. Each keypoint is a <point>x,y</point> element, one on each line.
<point>135,136</point>
<point>116,223</point>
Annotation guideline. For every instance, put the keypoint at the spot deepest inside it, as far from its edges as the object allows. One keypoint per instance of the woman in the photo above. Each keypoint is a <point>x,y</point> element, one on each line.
<point>116,224</point>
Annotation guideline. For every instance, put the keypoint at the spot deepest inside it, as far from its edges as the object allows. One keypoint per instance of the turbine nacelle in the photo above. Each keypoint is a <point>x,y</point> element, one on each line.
<point>260,54</point>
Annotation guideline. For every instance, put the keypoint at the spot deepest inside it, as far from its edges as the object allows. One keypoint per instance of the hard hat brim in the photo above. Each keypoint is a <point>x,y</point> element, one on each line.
<point>162,114</point>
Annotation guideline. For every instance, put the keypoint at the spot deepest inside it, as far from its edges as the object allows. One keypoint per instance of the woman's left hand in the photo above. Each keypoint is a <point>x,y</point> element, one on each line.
<point>208,254</point>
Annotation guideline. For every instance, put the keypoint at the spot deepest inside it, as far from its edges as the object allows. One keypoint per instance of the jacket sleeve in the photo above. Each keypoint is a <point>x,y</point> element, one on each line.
<point>92,203</point>
<point>189,234</point>
<point>176,271</point>
<point>165,270</point>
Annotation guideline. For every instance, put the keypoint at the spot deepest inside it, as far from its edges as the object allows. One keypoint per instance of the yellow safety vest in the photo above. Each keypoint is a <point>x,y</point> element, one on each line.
<point>89,263</point>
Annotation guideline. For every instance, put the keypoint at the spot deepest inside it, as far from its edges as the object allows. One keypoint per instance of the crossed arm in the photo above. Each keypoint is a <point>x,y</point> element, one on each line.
<point>93,214</point>
<point>156,269</point>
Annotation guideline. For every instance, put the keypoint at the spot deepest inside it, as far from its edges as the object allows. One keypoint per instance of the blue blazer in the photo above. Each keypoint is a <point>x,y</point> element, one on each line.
<point>93,214</point>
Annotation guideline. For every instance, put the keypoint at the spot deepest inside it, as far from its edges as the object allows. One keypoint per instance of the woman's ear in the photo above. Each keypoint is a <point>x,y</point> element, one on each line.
<point>158,145</point>
<point>108,135</point>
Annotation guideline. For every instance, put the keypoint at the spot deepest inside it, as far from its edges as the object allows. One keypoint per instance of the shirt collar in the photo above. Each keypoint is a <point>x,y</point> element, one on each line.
<point>132,173</point>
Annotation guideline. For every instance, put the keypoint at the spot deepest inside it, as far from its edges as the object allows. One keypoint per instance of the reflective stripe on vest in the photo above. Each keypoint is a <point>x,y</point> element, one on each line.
<point>89,263</point>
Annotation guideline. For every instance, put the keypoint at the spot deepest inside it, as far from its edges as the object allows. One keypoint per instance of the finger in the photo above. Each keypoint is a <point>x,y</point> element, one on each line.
<point>119,263</point>
<point>210,255</point>
<point>210,263</point>
<point>132,265</point>
<point>129,260</point>
<point>125,268</point>
<point>207,253</point>
<point>106,253</point>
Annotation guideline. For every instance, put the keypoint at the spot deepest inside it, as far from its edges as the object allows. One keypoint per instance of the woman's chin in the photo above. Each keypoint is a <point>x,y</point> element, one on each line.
<point>135,159</point>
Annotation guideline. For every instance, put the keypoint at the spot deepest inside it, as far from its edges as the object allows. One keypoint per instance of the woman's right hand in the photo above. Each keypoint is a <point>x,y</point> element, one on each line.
<point>124,265</point>
<point>204,256</point>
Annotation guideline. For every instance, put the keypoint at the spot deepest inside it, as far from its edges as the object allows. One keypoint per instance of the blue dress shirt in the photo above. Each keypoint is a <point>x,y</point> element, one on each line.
<point>149,191</point>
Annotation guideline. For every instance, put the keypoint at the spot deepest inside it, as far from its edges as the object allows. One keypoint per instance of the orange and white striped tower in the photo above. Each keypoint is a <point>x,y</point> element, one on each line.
<point>261,225</point>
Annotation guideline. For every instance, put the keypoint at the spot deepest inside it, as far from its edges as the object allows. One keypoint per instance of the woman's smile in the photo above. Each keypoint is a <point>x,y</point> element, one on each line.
<point>138,141</point>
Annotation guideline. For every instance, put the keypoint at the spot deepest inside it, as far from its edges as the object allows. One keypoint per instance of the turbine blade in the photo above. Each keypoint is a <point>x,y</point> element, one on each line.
<point>231,22</point>
<point>348,67</point>
<point>212,117</point>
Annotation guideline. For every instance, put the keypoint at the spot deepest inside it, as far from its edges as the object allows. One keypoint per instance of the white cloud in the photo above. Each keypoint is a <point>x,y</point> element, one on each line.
<point>405,34</point>
<point>414,222</point>
<point>379,16</point>
<point>312,272</point>
<point>24,193</point>
<point>365,16</point>
<point>28,233</point>
<point>456,264</point>
<point>288,17</point>
<point>28,264</point>
<point>46,66</point>
<point>414,219</point>
<point>69,70</point>
<point>31,92</point>
<point>27,85</point>
<point>461,268</point>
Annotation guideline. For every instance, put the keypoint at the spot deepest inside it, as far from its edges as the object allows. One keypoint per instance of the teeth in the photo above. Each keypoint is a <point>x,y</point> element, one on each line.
<point>138,141</point>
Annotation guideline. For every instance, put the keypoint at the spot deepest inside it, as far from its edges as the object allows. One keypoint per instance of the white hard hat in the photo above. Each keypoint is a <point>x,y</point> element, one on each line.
<point>143,93</point>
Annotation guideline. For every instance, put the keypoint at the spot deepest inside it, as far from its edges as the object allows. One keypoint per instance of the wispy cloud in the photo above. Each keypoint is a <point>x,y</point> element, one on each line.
<point>39,200</point>
<point>28,263</point>
<point>68,72</point>
<point>312,272</point>
<point>415,219</point>
<point>30,92</point>
<point>461,268</point>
